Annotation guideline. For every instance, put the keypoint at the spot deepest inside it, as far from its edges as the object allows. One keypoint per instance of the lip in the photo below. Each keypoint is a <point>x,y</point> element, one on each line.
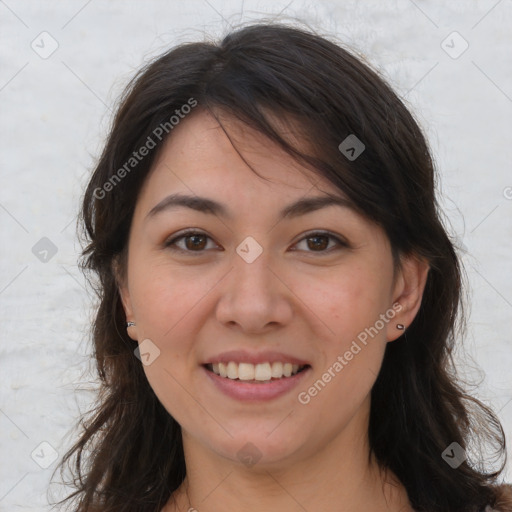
<point>256,391</point>
<point>243,356</point>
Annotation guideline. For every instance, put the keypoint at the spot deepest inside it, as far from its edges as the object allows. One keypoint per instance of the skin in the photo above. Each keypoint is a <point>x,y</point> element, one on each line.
<point>308,302</point>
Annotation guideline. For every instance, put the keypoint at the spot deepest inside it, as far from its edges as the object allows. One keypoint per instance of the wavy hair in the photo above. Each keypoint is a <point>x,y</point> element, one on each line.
<point>256,74</point>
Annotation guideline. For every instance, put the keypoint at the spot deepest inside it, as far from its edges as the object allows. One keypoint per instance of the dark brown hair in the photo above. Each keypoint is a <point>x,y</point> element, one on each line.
<point>129,455</point>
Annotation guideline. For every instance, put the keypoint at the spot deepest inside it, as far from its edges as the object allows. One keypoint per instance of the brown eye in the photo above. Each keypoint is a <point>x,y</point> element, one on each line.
<point>320,242</point>
<point>198,242</point>
<point>193,242</point>
<point>190,241</point>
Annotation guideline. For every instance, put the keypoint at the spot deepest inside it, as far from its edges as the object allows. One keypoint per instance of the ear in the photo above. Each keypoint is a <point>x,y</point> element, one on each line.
<point>124,293</point>
<point>408,292</point>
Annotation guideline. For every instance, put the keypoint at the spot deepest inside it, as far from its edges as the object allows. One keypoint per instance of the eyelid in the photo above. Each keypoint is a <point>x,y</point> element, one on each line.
<point>338,238</point>
<point>171,241</point>
<point>341,242</point>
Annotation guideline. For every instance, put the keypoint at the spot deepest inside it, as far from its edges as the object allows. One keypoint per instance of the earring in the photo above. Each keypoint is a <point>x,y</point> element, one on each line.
<point>130,324</point>
<point>401,327</point>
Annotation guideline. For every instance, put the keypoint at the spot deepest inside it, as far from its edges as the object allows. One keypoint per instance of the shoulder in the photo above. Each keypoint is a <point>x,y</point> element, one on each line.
<point>503,499</point>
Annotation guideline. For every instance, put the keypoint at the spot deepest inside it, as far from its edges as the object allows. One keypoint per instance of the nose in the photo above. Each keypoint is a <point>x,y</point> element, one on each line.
<point>254,297</point>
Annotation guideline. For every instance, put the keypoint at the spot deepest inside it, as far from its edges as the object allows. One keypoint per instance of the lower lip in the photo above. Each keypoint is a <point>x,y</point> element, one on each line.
<point>252,392</point>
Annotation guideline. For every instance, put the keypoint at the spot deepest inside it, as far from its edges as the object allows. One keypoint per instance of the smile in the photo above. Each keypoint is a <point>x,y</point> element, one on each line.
<point>255,383</point>
<point>261,372</point>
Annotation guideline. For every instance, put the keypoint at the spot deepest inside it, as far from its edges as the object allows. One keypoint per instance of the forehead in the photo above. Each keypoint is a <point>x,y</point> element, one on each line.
<point>201,156</point>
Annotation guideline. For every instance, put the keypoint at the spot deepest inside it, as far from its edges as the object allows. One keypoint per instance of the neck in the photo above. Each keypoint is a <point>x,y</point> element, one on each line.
<point>338,475</point>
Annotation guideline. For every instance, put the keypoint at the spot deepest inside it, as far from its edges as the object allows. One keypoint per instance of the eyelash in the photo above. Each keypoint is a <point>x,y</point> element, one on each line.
<point>184,234</point>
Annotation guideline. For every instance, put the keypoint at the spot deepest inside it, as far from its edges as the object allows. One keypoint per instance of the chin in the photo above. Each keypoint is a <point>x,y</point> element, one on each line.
<point>255,448</point>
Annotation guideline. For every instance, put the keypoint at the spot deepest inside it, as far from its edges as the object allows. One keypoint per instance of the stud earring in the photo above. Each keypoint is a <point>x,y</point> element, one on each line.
<point>401,327</point>
<point>130,324</point>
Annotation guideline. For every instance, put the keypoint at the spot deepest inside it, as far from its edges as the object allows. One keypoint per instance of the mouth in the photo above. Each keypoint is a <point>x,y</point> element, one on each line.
<point>260,373</point>
<point>255,383</point>
<point>255,376</point>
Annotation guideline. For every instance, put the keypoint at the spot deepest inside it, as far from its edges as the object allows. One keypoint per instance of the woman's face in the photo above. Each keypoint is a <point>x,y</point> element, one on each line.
<point>268,281</point>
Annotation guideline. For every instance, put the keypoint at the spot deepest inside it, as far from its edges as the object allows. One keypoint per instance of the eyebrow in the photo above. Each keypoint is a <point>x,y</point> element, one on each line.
<point>209,206</point>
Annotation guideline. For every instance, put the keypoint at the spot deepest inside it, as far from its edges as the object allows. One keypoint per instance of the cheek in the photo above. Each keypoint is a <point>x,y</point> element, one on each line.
<point>168,307</point>
<point>165,297</point>
<point>347,301</point>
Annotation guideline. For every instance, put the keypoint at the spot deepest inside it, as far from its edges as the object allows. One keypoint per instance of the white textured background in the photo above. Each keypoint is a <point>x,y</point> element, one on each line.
<point>54,116</point>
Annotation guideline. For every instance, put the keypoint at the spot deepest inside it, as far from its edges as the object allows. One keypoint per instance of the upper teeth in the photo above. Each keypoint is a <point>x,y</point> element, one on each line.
<point>248,371</point>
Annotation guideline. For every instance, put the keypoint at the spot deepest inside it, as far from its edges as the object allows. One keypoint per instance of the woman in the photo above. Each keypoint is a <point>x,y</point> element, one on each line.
<point>279,299</point>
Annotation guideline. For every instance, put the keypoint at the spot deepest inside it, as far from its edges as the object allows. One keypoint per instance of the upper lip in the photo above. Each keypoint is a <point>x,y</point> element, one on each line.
<point>243,356</point>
